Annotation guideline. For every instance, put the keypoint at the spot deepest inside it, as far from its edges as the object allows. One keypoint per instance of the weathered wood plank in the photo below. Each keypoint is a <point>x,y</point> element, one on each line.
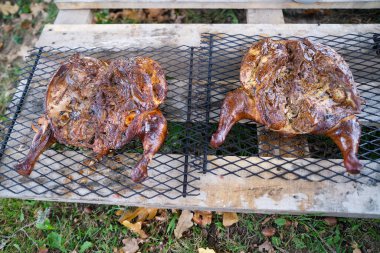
<point>265,16</point>
<point>230,193</point>
<point>74,17</point>
<point>158,35</point>
<point>216,4</point>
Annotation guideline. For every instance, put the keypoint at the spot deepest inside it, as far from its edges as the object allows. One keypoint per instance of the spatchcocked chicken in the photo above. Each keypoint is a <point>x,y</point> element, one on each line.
<point>103,105</point>
<point>296,87</point>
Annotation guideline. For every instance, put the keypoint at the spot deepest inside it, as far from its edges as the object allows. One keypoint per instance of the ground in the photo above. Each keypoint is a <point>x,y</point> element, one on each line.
<point>37,226</point>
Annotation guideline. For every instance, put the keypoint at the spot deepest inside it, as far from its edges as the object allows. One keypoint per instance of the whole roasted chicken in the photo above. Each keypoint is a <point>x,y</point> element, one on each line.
<point>102,106</point>
<point>296,87</point>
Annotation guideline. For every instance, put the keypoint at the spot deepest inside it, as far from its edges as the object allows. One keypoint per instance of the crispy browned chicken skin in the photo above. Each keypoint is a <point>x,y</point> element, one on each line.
<point>296,87</point>
<point>102,106</point>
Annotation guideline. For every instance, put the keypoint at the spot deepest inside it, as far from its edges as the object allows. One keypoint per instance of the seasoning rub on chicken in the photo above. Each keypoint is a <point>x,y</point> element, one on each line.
<point>296,87</point>
<point>102,106</point>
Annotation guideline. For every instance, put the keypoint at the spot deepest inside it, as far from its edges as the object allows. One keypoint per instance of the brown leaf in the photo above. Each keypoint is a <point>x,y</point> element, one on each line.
<point>8,9</point>
<point>36,8</point>
<point>266,247</point>
<point>43,250</point>
<point>206,250</point>
<point>133,14</point>
<point>355,247</point>
<point>136,228</point>
<point>1,45</point>
<point>131,245</point>
<point>184,223</point>
<point>266,220</point>
<point>26,16</point>
<point>26,24</point>
<point>119,212</point>
<point>229,219</point>
<point>331,221</point>
<point>141,213</point>
<point>268,231</point>
<point>156,14</point>
<point>87,210</point>
<point>163,216</point>
<point>202,218</point>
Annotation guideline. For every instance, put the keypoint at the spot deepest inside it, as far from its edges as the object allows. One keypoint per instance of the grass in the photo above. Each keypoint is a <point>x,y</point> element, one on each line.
<point>69,227</point>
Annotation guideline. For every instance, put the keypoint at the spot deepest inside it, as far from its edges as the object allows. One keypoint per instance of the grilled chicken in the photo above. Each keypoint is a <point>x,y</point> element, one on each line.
<point>102,106</point>
<point>296,87</point>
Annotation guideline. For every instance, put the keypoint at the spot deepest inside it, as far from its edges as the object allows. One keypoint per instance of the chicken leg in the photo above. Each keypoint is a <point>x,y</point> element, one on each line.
<point>346,136</point>
<point>41,141</point>
<point>236,106</point>
<point>152,131</point>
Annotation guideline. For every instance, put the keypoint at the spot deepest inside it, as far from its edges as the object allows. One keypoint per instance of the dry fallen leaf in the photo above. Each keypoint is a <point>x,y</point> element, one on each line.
<point>133,14</point>
<point>266,220</point>
<point>1,45</point>
<point>163,216</point>
<point>266,247</point>
<point>119,212</point>
<point>136,228</point>
<point>141,213</point>
<point>184,223</point>
<point>229,219</point>
<point>202,218</point>
<point>331,221</point>
<point>355,247</point>
<point>207,250</point>
<point>37,8</point>
<point>43,250</point>
<point>131,245</point>
<point>8,9</point>
<point>268,231</point>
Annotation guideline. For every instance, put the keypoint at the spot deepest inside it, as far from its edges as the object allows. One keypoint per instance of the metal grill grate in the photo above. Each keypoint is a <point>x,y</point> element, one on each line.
<point>68,170</point>
<point>250,150</point>
<point>198,80</point>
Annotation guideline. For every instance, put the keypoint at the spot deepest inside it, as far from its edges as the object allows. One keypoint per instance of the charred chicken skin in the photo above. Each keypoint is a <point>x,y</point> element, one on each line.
<point>102,106</point>
<point>296,87</point>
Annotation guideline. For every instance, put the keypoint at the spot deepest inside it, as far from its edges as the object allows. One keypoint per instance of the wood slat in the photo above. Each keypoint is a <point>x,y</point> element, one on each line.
<point>215,4</point>
<point>159,35</point>
<point>74,17</point>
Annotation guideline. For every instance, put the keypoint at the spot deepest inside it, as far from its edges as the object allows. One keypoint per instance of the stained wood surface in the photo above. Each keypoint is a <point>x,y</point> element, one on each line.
<point>265,16</point>
<point>217,189</point>
<point>159,35</point>
<point>215,4</point>
<point>74,17</point>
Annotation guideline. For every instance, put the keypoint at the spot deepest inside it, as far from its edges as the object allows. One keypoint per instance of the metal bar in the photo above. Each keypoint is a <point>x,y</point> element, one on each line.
<point>18,108</point>
<point>188,123</point>
<point>208,94</point>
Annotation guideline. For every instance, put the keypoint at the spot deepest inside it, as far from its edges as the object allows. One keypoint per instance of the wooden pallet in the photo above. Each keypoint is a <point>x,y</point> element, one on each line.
<point>217,192</point>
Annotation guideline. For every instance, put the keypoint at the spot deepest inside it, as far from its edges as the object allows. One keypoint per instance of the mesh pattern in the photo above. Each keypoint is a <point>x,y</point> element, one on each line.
<point>198,80</point>
<point>63,170</point>
<point>251,150</point>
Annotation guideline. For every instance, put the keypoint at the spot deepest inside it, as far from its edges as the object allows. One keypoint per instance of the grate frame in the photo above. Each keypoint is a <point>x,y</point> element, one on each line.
<point>198,77</point>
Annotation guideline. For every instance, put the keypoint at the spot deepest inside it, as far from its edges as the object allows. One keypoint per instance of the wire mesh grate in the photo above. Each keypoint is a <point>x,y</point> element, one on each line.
<point>251,150</point>
<point>64,170</point>
<point>198,80</point>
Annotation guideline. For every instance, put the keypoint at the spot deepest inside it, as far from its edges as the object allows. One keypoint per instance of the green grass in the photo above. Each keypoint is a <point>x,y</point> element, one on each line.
<point>69,227</point>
